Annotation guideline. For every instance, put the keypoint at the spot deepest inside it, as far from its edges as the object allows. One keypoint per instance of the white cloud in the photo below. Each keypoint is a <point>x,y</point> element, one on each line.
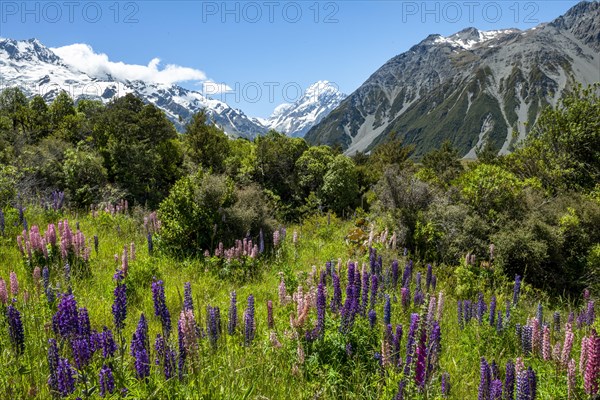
<point>82,57</point>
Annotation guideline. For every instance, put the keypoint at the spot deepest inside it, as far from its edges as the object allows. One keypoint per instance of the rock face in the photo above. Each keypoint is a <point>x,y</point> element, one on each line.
<point>469,86</point>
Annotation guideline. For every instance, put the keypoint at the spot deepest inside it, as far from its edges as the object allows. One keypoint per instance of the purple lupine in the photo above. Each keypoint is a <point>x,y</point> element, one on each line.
<point>387,310</point>
<point>492,311</point>
<point>232,322</point>
<point>96,243</point>
<point>556,322</point>
<point>83,325</point>
<point>460,314</point>
<point>517,289</point>
<point>65,320</point>
<point>532,380</point>
<point>540,314</point>
<point>445,384</point>
<point>484,381</point>
<point>421,359</point>
<point>213,324</point>
<point>396,339</point>
<point>336,300</point>
<point>468,310</point>
<point>433,283</point>
<point>523,388</point>
<point>160,306</point>
<point>405,299</point>
<point>321,303</point>
<point>249,325</point>
<point>394,273</point>
<point>372,318</point>
<point>139,348</point>
<point>188,303</point>
<point>65,380</point>
<point>81,352</point>
<point>53,358</point>
<point>107,343</point>
<point>509,380</point>
<point>182,352</point>
<point>270,320</point>
<point>590,313</point>
<point>410,342</point>
<point>481,308</point>
<point>365,293</point>
<point>419,298</point>
<point>428,277</point>
<point>433,352</point>
<point>15,329</point>
<point>261,241</point>
<point>527,339</point>
<point>407,274</point>
<point>494,370</point>
<point>106,381</point>
<point>496,389</point>
<point>119,307</point>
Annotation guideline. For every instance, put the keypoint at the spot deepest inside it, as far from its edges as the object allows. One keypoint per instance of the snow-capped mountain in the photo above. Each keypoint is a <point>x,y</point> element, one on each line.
<point>295,119</point>
<point>37,70</point>
<point>469,87</point>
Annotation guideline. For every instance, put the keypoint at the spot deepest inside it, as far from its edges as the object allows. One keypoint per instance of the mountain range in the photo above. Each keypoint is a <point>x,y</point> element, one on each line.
<point>36,69</point>
<point>468,87</point>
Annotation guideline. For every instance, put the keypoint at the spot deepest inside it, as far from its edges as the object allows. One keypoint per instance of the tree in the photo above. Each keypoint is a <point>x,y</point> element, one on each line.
<point>39,123</point>
<point>443,162</point>
<point>14,105</point>
<point>85,176</point>
<point>205,144</point>
<point>311,168</point>
<point>392,152</point>
<point>61,107</point>
<point>340,186</point>
<point>487,153</point>
<point>140,149</point>
<point>275,170</point>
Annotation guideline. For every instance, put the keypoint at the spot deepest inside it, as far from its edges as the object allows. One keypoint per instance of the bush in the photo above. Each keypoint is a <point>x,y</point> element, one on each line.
<point>203,209</point>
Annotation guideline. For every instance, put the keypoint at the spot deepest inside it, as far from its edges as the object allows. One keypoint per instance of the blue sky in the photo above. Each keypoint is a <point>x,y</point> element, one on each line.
<point>263,50</point>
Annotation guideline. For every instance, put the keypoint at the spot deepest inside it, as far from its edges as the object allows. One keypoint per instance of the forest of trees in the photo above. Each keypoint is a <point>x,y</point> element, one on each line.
<point>539,206</point>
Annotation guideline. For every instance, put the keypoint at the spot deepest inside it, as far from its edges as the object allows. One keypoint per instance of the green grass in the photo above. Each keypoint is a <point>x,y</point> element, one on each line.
<point>258,371</point>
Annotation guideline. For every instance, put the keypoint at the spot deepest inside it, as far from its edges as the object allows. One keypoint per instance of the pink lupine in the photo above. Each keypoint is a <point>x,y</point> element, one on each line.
<point>37,277</point>
<point>276,238</point>
<point>535,335</point>
<point>3,292</point>
<point>124,262</point>
<point>274,341</point>
<point>546,343</point>
<point>187,326</point>
<point>300,352</point>
<point>14,284</point>
<point>592,368</point>
<point>519,366</point>
<point>20,244</point>
<point>556,350</point>
<point>282,292</point>
<point>583,355</point>
<point>440,306</point>
<point>571,379</point>
<point>431,310</point>
<point>568,344</point>
<point>132,251</point>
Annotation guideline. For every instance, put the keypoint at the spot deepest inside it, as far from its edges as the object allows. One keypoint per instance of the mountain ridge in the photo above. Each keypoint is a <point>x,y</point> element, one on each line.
<point>468,87</point>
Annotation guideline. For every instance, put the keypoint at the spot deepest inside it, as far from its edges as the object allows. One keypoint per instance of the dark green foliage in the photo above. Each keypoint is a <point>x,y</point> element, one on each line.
<point>205,145</point>
<point>444,162</point>
<point>85,176</point>
<point>140,149</point>
<point>203,210</point>
<point>340,187</point>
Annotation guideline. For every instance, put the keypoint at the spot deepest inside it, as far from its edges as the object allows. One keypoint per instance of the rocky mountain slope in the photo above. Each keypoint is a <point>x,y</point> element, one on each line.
<point>469,86</point>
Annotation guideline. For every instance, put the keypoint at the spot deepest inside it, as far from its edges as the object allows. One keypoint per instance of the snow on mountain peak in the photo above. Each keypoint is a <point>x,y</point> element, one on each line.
<point>470,37</point>
<point>317,101</point>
